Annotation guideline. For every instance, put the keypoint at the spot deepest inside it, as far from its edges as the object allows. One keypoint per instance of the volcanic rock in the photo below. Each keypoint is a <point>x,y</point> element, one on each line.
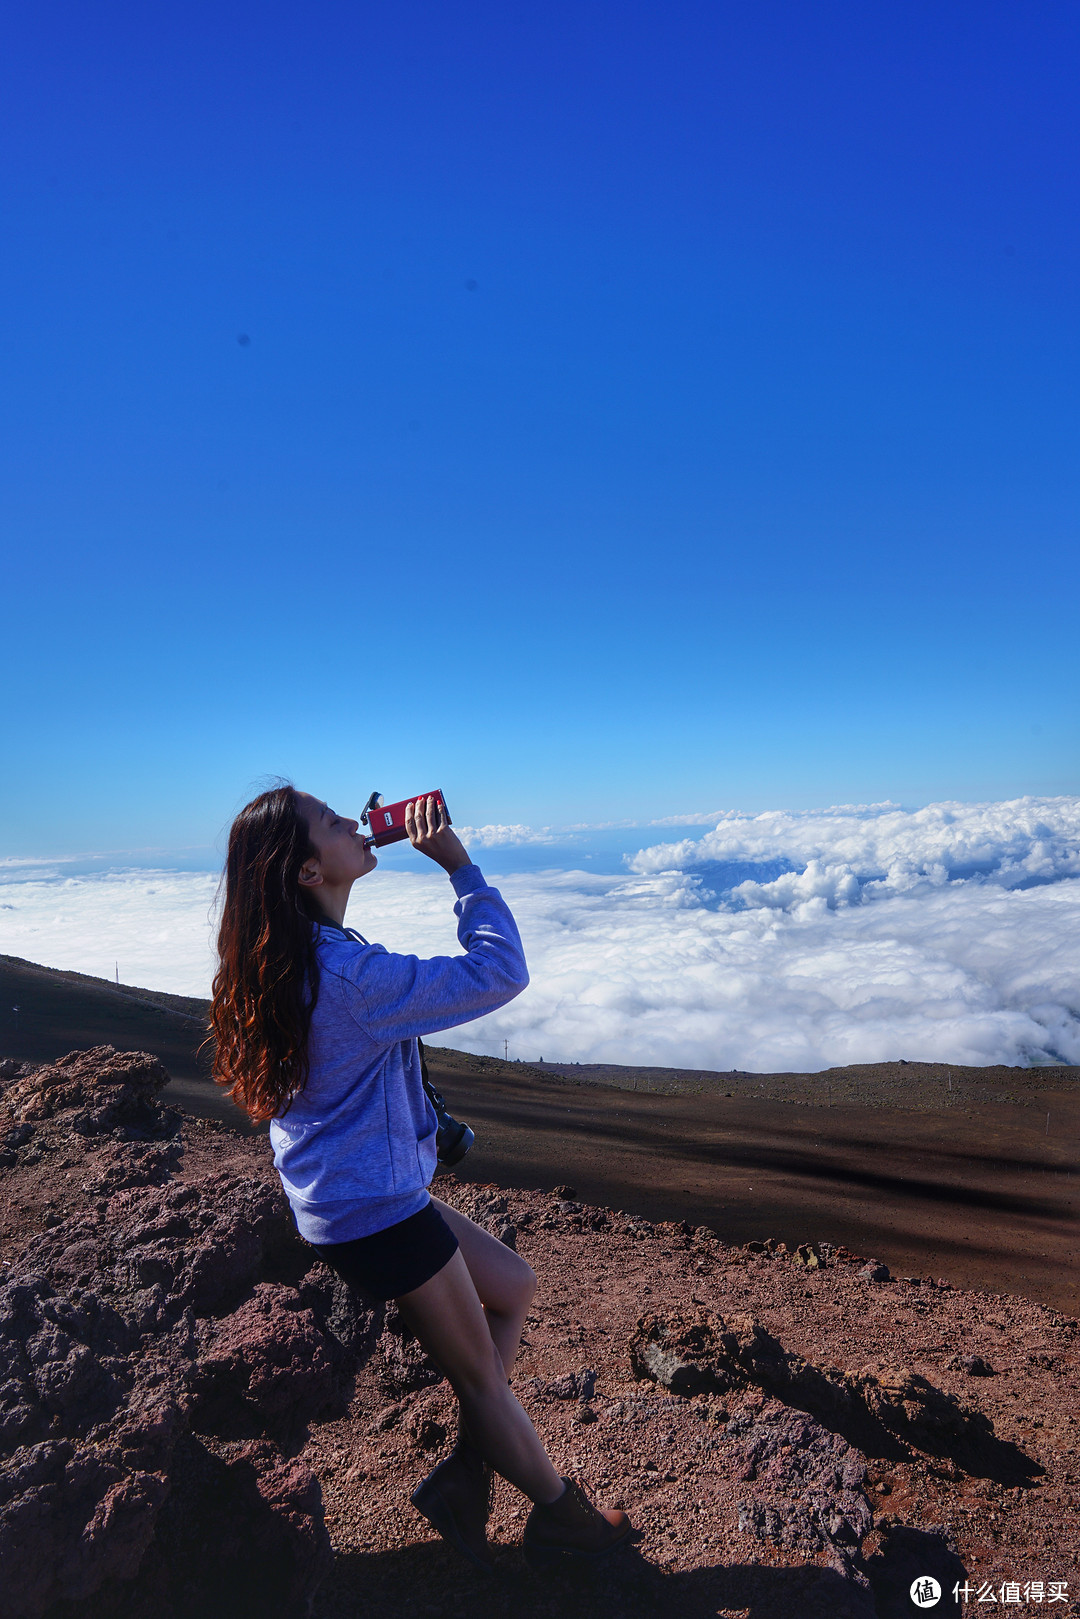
<point>700,1352</point>
<point>104,1089</point>
<point>152,1376</point>
<point>809,1493</point>
<point>912,1407</point>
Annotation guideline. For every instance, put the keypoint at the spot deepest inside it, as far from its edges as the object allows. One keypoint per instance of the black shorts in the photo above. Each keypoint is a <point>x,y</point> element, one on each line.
<point>394,1261</point>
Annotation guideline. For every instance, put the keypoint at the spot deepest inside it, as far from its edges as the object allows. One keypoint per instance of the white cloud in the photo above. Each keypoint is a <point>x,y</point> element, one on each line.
<point>692,818</point>
<point>501,837</point>
<point>154,924</point>
<point>882,844</point>
<point>950,934</point>
<point>969,973</point>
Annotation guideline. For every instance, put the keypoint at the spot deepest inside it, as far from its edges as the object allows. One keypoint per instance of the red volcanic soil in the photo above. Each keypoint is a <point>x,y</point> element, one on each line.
<point>975,1183</point>
<point>793,1432</point>
<point>840,1427</point>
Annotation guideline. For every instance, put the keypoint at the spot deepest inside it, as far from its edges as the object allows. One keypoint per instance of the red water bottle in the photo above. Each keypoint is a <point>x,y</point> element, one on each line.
<point>386,822</point>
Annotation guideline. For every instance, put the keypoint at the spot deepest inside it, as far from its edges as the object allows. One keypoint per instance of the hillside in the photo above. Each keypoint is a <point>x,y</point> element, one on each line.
<point>199,1421</point>
<point>973,1183</point>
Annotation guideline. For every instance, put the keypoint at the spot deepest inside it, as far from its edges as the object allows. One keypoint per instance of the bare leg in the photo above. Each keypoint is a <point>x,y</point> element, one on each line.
<point>504,1283</point>
<point>449,1319</point>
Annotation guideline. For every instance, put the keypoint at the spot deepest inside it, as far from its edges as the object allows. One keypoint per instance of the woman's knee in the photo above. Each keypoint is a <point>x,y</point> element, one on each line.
<point>517,1291</point>
<point>528,1283</point>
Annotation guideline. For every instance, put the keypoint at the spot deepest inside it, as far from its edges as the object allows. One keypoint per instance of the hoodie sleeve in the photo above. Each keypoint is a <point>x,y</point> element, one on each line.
<point>395,997</point>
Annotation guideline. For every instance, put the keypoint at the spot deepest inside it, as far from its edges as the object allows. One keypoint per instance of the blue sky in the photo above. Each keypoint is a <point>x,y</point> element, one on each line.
<point>599,411</point>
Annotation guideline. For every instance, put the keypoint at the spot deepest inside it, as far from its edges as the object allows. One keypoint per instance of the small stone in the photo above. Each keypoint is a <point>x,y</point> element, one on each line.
<point>387,1418</point>
<point>875,1271</point>
<point>429,1434</point>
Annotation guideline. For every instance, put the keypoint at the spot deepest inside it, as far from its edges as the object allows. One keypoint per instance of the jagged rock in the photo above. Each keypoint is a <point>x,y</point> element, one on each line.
<point>350,1325</point>
<point>806,1254</point>
<point>401,1366</point>
<point>132,1163</point>
<point>69,1520</point>
<point>913,1408</point>
<point>809,1481</point>
<point>79,1507</point>
<point>574,1386</point>
<point>703,1353</point>
<point>974,1365</point>
<point>266,1365</point>
<point>57,1360</point>
<point>129,1336</point>
<point>157,1251</point>
<point>10,1142</point>
<point>103,1089</point>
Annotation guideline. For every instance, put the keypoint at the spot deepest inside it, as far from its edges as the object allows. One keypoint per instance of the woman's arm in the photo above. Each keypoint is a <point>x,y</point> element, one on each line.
<point>394,997</point>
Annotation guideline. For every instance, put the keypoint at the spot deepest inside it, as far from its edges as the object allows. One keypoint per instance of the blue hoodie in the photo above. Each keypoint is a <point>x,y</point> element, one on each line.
<point>355,1149</point>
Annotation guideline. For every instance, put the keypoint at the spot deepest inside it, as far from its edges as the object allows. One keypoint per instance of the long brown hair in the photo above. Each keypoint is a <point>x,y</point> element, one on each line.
<point>268,973</point>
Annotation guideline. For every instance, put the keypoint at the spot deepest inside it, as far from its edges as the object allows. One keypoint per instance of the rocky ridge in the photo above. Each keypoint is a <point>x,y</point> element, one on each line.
<point>196,1417</point>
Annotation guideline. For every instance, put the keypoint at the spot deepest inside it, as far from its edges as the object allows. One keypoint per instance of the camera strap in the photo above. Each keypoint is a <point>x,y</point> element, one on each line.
<point>433,1095</point>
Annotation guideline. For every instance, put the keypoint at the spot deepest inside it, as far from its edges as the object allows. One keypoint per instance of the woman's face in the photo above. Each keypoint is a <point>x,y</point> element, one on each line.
<point>339,847</point>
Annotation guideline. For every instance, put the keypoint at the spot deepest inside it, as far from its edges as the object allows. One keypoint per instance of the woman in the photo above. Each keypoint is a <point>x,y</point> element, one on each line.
<point>316,1031</point>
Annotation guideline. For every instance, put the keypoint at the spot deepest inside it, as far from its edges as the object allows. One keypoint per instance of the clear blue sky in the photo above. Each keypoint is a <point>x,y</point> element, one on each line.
<point>598,410</point>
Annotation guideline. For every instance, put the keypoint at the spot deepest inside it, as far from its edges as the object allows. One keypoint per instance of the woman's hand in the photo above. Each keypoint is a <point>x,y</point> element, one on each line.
<point>429,831</point>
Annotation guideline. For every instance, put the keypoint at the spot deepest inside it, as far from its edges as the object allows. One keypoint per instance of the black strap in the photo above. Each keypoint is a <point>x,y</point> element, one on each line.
<point>436,1100</point>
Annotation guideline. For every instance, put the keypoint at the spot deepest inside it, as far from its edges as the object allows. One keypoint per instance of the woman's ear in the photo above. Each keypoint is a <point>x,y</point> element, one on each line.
<point>310,874</point>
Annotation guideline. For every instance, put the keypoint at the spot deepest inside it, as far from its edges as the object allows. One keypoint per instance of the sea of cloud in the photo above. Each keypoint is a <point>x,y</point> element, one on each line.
<point>778,941</point>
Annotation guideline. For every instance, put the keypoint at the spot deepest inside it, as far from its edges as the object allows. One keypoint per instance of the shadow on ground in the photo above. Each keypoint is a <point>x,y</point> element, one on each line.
<point>429,1579</point>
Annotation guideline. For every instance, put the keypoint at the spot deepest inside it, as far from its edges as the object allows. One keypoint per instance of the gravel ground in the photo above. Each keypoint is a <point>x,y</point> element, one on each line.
<point>1003,1509</point>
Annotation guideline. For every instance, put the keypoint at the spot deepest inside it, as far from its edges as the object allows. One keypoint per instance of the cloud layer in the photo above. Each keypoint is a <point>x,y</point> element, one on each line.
<point>779,941</point>
<point>502,837</point>
<point>892,850</point>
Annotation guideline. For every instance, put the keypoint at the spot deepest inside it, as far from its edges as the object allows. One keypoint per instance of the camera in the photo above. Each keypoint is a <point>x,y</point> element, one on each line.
<point>452,1138</point>
<point>387,821</point>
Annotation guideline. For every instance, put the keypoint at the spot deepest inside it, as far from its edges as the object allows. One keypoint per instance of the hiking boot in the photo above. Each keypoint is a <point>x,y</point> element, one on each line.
<point>456,1500</point>
<point>570,1528</point>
